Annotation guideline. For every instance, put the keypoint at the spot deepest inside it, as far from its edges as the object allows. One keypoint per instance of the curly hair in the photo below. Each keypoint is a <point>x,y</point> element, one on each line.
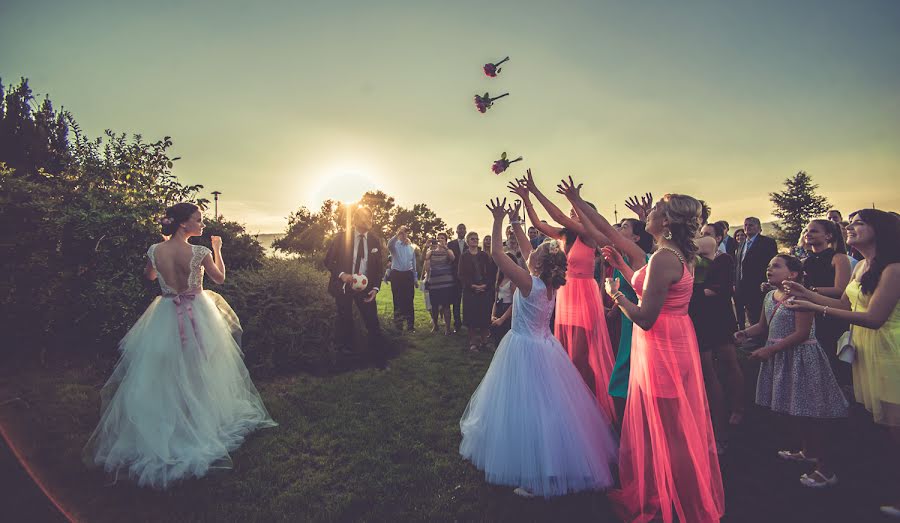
<point>683,213</point>
<point>178,214</point>
<point>887,248</point>
<point>551,263</point>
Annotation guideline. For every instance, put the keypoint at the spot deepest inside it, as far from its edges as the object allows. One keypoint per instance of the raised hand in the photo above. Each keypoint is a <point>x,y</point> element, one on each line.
<point>216,242</point>
<point>613,257</point>
<point>528,181</point>
<point>514,211</point>
<point>640,206</point>
<point>497,208</point>
<point>518,188</point>
<point>569,189</point>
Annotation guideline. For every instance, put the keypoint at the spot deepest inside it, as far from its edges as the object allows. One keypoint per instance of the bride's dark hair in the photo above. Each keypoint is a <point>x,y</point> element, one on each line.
<point>551,262</point>
<point>176,215</point>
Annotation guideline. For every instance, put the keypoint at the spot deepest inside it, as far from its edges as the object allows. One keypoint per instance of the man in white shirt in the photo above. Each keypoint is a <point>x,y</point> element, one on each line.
<point>403,278</point>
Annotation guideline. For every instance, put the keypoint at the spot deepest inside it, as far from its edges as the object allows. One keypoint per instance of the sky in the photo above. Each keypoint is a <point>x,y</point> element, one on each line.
<point>283,104</point>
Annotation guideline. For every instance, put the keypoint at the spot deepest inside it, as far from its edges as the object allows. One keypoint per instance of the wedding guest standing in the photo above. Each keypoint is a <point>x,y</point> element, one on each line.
<point>478,292</point>
<point>501,316</point>
<point>531,423</point>
<point>441,282</point>
<point>719,326</point>
<point>457,246</point>
<point>580,322</point>
<point>827,271</point>
<point>668,467</point>
<point>795,377</point>
<point>403,278</point>
<point>180,398</point>
<point>871,303</point>
<point>752,259</point>
<point>357,251</point>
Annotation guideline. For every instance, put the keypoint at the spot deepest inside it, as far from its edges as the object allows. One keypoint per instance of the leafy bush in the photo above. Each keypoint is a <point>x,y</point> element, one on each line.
<point>287,315</point>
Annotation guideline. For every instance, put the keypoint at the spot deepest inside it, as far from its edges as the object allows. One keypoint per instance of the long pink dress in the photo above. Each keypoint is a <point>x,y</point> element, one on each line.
<point>668,463</point>
<point>581,325</point>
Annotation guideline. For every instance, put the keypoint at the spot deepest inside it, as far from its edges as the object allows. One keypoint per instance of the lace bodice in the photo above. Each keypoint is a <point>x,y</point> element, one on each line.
<point>531,314</point>
<point>195,279</point>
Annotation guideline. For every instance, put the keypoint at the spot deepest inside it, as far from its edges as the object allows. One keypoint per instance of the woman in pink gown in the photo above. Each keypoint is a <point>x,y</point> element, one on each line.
<point>580,322</point>
<point>668,467</point>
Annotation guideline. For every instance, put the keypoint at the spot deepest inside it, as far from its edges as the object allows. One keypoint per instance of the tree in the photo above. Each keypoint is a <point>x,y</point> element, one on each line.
<point>241,250</point>
<point>421,221</point>
<point>795,206</point>
<point>309,233</point>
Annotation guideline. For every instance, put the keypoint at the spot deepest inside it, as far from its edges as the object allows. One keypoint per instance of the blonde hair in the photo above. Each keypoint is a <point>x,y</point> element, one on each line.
<point>683,213</point>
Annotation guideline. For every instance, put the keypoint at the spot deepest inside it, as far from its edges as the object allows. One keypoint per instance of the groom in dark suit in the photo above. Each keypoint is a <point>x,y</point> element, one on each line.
<point>751,264</point>
<point>357,251</point>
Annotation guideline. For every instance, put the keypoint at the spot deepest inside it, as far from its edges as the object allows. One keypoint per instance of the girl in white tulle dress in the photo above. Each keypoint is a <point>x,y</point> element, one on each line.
<point>533,423</point>
<point>180,398</point>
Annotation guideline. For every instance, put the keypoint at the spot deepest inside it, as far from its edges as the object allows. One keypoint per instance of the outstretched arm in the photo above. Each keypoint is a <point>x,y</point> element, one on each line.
<point>514,212</point>
<point>519,276</point>
<point>518,188</point>
<point>555,213</point>
<point>636,255</point>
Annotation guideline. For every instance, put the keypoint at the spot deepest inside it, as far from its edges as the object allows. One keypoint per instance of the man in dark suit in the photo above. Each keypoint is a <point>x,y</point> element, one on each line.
<point>728,245</point>
<point>750,268</point>
<point>358,251</point>
<point>457,246</point>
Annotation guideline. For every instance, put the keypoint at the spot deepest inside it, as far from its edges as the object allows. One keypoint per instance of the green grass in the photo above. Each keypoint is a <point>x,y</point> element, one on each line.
<point>360,445</point>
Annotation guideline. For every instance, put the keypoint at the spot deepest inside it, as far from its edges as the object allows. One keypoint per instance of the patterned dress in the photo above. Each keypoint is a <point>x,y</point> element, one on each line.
<point>797,381</point>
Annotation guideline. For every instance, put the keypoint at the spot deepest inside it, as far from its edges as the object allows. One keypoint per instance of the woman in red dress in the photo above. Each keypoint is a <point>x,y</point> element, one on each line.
<point>580,320</point>
<point>668,467</point>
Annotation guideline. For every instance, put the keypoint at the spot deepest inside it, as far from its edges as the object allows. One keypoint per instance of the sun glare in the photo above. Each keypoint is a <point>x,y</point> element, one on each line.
<point>344,185</point>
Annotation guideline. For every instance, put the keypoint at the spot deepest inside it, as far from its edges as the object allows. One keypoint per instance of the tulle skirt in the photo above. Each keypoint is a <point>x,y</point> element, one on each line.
<point>533,423</point>
<point>581,328</point>
<point>668,463</point>
<point>180,398</point>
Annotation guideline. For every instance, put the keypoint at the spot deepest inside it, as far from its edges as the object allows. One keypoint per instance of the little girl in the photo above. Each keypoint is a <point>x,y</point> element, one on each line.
<point>795,377</point>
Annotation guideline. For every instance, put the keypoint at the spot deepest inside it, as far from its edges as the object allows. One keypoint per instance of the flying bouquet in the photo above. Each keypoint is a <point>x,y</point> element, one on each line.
<point>483,103</point>
<point>502,164</point>
<point>493,70</point>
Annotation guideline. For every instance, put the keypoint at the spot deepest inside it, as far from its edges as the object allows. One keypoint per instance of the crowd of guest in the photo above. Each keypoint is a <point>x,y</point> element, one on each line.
<point>791,311</point>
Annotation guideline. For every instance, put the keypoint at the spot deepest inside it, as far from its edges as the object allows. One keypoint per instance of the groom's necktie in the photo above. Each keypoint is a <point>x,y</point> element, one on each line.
<point>360,252</point>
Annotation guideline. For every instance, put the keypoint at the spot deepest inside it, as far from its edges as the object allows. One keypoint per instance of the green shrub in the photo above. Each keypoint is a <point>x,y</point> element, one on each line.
<point>287,315</point>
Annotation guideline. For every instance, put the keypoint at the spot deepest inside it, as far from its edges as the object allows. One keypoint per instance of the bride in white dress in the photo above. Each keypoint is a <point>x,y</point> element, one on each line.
<point>180,398</point>
<point>532,423</point>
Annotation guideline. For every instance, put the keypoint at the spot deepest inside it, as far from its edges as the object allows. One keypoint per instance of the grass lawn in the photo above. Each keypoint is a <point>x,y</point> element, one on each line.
<point>383,446</point>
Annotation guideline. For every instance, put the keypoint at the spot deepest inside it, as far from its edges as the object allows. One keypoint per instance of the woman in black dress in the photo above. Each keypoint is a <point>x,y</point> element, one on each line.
<point>715,325</point>
<point>827,270</point>
<point>478,291</point>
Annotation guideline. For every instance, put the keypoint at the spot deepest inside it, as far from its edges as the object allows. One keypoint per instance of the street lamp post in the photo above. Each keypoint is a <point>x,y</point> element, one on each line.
<point>216,203</point>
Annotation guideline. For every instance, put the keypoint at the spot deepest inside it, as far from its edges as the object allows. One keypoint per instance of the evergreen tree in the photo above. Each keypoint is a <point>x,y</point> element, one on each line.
<point>795,206</point>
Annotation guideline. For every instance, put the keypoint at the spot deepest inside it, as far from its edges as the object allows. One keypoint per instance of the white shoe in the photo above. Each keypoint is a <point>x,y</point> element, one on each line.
<point>523,492</point>
<point>810,480</point>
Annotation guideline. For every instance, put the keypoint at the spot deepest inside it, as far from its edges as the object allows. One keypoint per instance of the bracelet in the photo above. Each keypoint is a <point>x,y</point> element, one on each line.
<point>517,222</point>
<point>825,311</point>
<point>617,295</point>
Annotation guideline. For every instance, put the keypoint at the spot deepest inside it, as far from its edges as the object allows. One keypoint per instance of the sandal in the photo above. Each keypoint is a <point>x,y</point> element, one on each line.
<point>795,456</point>
<point>473,348</point>
<point>812,480</point>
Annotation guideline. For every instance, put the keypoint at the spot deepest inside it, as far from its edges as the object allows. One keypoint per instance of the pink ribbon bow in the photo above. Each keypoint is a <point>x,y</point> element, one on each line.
<point>184,307</point>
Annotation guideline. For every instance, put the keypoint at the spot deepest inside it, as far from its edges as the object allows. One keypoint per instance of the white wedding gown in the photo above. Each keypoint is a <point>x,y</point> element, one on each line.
<point>532,422</point>
<point>180,398</point>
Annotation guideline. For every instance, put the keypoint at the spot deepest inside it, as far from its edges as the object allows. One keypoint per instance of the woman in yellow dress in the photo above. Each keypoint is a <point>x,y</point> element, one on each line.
<point>870,304</point>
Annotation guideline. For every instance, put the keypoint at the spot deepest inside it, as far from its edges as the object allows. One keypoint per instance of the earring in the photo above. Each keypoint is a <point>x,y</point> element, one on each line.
<point>668,235</point>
